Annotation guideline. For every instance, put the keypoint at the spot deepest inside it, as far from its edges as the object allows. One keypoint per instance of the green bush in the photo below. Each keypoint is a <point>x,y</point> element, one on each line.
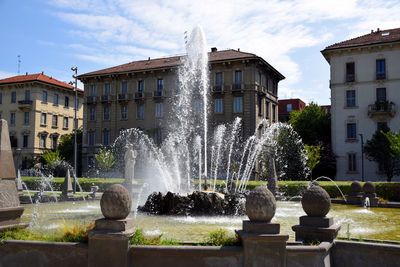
<point>220,238</point>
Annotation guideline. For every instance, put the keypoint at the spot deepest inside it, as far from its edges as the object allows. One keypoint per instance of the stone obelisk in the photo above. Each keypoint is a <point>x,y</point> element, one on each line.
<point>10,208</point>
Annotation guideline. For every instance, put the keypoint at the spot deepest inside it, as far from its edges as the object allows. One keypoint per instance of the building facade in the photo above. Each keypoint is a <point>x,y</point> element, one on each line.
<point>364,83</point>
<point>288,105</point>
<point>139,95</point>
<point>39,110</point>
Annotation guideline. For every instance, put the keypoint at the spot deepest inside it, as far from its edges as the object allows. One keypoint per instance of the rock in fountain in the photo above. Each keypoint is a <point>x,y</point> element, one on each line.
<point>196,203</point>
<point>369,192</point>
<point>316,226</point>
<point>10,209</point>
<point>355,196</point>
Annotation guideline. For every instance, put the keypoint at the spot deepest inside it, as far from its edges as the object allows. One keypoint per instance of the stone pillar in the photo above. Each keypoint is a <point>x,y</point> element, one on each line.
<point>109,240</point>
<point>262,243</point>
<point>67,191</point>
<point>10,208</point>
<point>316,226</point>
<point>355,196</point>
<point>369,192</point>
<point>18,181</point>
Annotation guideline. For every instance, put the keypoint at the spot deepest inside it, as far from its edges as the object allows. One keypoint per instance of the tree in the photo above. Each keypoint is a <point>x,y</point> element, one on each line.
<point>105,159</point>
<point>394,140</point>
<point>66,148</point>
<point>378,149</point>
<point>313,156</point>
<point>312,124</point>
<point>52,158</point>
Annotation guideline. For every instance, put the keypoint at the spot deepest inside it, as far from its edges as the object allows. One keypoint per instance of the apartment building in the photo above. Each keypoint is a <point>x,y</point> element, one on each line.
<point>39,110</point>
<point>139,94</point>
<point>364,82</point>
<point>288,105</point>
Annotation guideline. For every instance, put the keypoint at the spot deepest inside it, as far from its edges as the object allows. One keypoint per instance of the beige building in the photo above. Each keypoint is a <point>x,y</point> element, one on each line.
<point>139,94</point>
<point>39,110</point>
<point>364,82</point>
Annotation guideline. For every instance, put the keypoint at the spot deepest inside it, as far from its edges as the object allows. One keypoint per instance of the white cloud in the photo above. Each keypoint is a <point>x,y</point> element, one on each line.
<point>125,30</point>
<point>5,74</point>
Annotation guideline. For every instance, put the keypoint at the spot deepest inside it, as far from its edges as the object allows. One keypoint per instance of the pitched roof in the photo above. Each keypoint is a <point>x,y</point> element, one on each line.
<point>377,37</point>
<point>40,77</point>
<point>174,61</point>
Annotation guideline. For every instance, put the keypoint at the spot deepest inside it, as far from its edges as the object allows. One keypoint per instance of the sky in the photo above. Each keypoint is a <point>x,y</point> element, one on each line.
<point>54,35</point>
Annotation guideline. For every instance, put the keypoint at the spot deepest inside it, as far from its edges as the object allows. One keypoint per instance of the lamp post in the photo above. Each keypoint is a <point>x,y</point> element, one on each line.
<point>75,76</point>
<point>362,157</point>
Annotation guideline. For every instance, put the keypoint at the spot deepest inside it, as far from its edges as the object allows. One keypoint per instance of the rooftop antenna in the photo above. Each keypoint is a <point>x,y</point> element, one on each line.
<point>185,37</point>
<point>19,63</point>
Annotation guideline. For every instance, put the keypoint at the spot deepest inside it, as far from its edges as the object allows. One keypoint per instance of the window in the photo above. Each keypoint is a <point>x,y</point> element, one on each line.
<point>218,79</point>
<point>266,109</point>
<point>381,95</point>
<point>92,114</point>
<point>124,88</point>
<point>13,141</point>
<point>218,106</point>
<point>238,79</point>
<point>237,104</point>
<point>159,110</point>
<point>26,118</point>
<point>350,72</point>
<point>380,69</point>
<point>66,101</point>
<point>274,113</point>
<point>65,123</point>
<point>55,99</point>
<point>27,95</point>
<point>198,107</point>
<point>259,105</point>
<point>42,140</point>
<point>352,162</point>
<point>288,107</point>
<point>55,121</point>
<point>351,98</point>
<point>380,125</point>
<point>91,138</point>
<point>160,84</point>
<point>54,139</point>
<point>1,98</point>
<point>158,136</point>
<point>124,112</point>
<point>351,131</point>
<point>90,161</point>
<point>106,113</point>
<point>106,138</point>
<point>12,118</point>
<point>258,78</point>
<point>43,119</point>
<point>25,141</point>
<point>107,89</point>
<point>92,91</point>
<point>140,86</point>
<point>44,97</point>
<point>13,97</point>
<point>140,111</point>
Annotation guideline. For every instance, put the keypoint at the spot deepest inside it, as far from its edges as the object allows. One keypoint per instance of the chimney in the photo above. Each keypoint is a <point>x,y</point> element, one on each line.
<point>239,49</point>
<point>377,30</point>
<point>214,49</point>
<point>42,72</point>
<point>26,73</point>
<point>149,58</point>
<point>372,31</point>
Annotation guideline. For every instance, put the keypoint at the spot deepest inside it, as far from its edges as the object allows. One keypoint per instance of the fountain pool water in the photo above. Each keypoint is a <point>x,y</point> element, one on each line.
<point>376,223</point>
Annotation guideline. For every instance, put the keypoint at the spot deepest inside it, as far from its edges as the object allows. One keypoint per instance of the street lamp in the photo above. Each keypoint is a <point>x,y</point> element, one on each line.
<point>75,69</point>
<point>362,157</point>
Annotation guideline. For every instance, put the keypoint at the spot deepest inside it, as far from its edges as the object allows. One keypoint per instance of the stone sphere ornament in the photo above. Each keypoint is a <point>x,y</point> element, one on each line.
<point>355,187</point>
<point>369,188</point>
<point>116,202</point>
<point>316,202</point>
<point>260,205</point>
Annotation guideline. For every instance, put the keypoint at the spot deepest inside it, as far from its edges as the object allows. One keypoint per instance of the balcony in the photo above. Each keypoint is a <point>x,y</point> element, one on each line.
<point>350,78</point>
<point>91,100</point>
<point>382,109</point>
<point>139,96</point>
<point>217,89</point>
<point>381,76</point>
<point>106,98</point>
<point>158,94</point>
<point>25,104</point>
<point>123,97</point>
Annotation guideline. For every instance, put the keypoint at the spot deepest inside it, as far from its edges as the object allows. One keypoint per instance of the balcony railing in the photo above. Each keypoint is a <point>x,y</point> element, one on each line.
<point>91,100</point>
<point>381,76</point>
<point>218,88</point>
<point>139,95</point>
<point>157,94</point>
<point>237,87</point>
<point>25,104</point>
<point>382,108</point>
<point>105,98</point>
<point>123,97</point>
<point>350,78</point>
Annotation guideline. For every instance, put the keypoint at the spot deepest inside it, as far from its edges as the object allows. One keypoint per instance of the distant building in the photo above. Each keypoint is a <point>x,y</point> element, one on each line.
<point>364,82</point>
<point>139,94</point>
<point>326,109</point>
<point>288,105</point>
<point>39,110</point>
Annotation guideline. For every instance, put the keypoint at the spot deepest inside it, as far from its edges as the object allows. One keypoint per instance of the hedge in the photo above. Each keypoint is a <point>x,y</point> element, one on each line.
<point>388,191</point>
